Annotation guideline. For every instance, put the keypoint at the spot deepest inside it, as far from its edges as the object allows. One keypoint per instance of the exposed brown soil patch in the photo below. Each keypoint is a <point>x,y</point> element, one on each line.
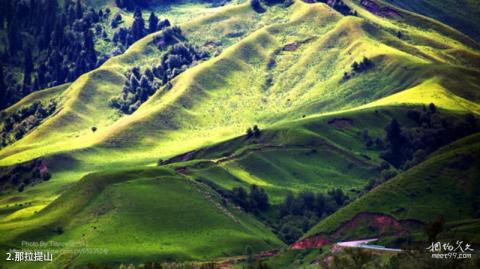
<point>181,170</point>
<point>377,223</point>
<point>341,122</point>
<point>181,158</point>
<point>316,241</point>
<point>211,44</point>
<point>291,46</point>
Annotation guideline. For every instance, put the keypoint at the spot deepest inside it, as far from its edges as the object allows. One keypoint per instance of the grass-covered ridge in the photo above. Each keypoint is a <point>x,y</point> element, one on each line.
<point>166,216</point>
<point>255,74</point>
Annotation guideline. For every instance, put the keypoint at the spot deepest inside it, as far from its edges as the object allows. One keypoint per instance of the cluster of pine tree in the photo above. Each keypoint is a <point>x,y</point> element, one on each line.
<point>259,5</point>
<point>179,55</point>
<point>255,201</point>
<point>138,87</point>
<point>177,59</point>
<point>16,125</point>
<point>169,36</point>
<point>406,147</point>
<point>50,44</point>
<point>124,37</point>
<point>357,68</point>
<point>133,4</point>
<point>340,6</point>
<point>298,213</point>
<point>253,132</point>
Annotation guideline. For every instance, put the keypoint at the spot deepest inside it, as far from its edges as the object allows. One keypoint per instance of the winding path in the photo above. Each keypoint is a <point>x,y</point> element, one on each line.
<point>364,244</point>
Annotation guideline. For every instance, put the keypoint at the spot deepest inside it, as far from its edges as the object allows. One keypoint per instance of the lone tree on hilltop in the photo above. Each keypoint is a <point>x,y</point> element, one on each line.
<point>432,107</point>
<point>256,131</point>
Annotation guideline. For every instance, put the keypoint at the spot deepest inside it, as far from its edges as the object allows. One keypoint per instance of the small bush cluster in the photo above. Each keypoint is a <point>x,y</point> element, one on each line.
<point>116,20</point>
<point>259,5</point>
<point>372,142</point>
<point>353,258</point>
<point>253,132</point>
<point>169,36</point>
<point>21,175</point>
<point>301,212</point>
<point>21,122</point>
<point>177,59</point>
<point>406,147</point>
<point>131,5</point>
<point>124,37</point>
<point>340,6</point>
<point>357,68</point>
<point>255,200</point>
<point>138,87</point>
<point>386,173</point>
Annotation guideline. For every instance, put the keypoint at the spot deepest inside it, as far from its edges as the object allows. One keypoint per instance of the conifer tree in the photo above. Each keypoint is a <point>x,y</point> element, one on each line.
<point>14,41</point>
<point>78,10</point>
<point>89,46</point>
<point>3,88</point>
<point>138,26</point>
<point>152,23</point>
<point>28,68</point>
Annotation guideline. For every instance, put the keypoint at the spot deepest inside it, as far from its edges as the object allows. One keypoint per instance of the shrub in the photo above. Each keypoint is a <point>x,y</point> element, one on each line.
<point>257,6</point>
<point>46,176</point>
<point>116,20</point>
<point>256,131</point>
<point>432,229</point>
<point>58,230</point>
<point>388,174</point>
<point>23,120</point>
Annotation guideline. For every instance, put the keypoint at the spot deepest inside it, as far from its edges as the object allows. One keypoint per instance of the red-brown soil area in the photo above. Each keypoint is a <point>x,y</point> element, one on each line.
<point>316,241</point>
<point>341,122</point>
<point>375,223</point>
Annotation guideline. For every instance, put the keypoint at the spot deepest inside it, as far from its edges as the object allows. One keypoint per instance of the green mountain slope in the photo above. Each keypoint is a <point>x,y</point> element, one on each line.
<point>446,184</point>
<point>233,87</point>
<point>160,215</point>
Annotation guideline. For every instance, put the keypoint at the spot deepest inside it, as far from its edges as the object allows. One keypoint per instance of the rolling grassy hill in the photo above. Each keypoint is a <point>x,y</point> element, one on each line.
<point>317,153</point>
<point>283,70</point>
<point>233,87</point>
<point>157,211</point>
